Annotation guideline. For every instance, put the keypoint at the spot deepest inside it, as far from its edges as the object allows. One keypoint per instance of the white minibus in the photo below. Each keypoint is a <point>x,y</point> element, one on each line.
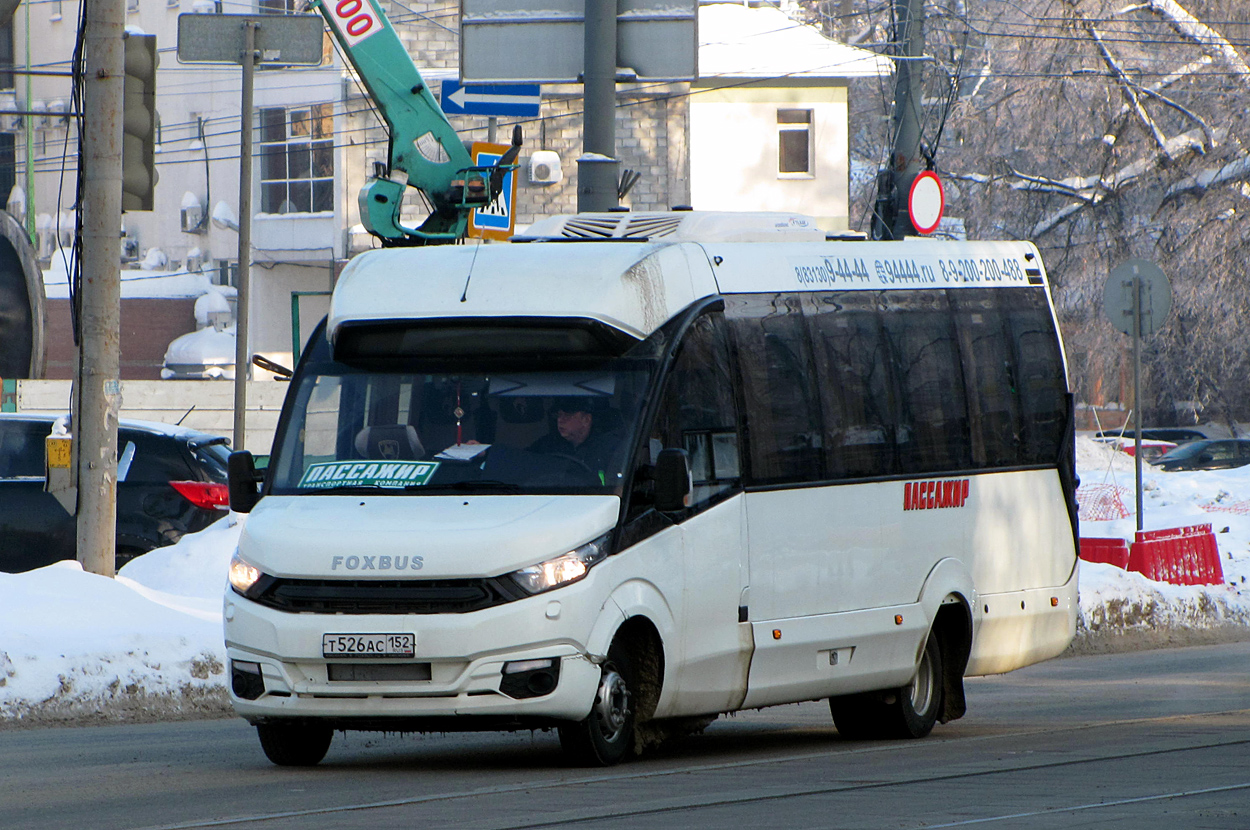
<point>641,469</point>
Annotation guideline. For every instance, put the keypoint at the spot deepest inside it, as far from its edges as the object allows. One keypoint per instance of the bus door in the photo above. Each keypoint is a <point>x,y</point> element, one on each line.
<point>697,412</point>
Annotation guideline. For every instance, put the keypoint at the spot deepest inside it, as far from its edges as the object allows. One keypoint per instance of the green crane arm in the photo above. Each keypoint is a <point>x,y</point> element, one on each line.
<point>424,151</point>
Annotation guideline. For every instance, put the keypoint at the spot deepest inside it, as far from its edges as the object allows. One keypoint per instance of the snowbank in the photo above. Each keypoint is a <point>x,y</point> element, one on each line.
<point>148,645</point>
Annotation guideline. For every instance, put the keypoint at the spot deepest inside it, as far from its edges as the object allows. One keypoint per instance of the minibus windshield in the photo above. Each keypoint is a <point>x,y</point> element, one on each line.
<point>485,429</point>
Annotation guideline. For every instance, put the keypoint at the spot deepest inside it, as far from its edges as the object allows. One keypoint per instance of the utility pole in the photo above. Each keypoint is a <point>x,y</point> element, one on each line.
<point>597,169</point>
<point>98,386</point>
<point>890,218</point>
<point>242,356</point>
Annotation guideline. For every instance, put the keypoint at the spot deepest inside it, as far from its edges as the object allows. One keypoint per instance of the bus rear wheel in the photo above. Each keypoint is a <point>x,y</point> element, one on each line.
<point>606,735</point>
<point>916,705</point>
<point>294,744</point>
<point>907,712</point>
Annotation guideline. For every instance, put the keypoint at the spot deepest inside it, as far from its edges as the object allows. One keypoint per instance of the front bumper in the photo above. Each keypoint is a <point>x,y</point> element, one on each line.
<point>465,655</point>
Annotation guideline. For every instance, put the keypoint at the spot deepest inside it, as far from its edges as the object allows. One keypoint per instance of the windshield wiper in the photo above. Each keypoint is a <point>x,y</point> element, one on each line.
<point>468,486</point>
<point>354,488</point>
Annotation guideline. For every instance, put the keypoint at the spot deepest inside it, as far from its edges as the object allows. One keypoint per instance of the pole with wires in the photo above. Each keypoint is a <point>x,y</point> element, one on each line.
<point>890,218</point>
<point>98,385</point>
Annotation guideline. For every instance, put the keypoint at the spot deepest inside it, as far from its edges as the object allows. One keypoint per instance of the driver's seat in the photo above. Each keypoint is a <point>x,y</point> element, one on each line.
<point>392,442</point>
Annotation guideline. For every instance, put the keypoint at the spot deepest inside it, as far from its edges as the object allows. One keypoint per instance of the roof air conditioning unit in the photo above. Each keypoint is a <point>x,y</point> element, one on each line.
<point>545,167</point>
<point>193,220</point>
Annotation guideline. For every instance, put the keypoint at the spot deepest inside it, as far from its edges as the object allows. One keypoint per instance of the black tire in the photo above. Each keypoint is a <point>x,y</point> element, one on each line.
<point>606,736</point>
<point>125,556</point>
<point>857,717</point>
<point>907,712</point>
<point>915,707</point>
<point>294,744</point>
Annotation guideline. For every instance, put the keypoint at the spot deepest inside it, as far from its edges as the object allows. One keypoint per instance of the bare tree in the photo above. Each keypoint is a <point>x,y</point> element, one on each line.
<point>1103,130</point>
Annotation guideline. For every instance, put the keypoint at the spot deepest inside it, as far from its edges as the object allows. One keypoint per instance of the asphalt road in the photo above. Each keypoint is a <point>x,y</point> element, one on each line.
<point>1151,739</point>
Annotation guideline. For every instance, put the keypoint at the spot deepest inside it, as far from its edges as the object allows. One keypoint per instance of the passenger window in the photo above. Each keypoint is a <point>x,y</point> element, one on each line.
<point>785,434</point>
<point>1221,451</point>
<point>987,354</point>
<point>1040,377</point>
<point>697,411</point>
<point>154,459</point>
<point>22,450</point>
<point>858,394</point>
<point>933,421</point>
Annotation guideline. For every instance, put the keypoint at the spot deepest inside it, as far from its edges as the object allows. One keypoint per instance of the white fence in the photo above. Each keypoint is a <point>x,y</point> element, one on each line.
<point>206,405</point>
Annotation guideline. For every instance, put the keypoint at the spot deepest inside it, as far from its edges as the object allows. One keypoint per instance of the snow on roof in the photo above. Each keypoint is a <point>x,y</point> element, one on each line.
<point>740,42</point>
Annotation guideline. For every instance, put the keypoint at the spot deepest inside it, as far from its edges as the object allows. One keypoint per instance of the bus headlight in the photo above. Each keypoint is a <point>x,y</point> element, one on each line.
<point>243,575</point>
<point>564,569</point>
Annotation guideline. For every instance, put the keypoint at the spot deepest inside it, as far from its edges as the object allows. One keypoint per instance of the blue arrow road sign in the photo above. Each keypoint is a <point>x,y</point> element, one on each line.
<point>516,100</point>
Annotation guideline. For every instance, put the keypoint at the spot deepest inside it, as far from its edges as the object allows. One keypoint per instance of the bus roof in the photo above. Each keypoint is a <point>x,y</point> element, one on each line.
<point>631,286</point>
<point>642,270</point>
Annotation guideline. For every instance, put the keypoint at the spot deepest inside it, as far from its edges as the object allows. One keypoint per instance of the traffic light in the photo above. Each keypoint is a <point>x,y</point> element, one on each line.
<point>139,123</point>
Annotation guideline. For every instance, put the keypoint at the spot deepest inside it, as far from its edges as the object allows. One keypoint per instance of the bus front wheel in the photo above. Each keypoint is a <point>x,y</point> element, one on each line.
<point>294,744</point>
<point>606,735</point>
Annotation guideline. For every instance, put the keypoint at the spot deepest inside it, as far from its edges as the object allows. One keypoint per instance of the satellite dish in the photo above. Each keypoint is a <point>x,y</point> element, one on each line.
<point>21,303</point>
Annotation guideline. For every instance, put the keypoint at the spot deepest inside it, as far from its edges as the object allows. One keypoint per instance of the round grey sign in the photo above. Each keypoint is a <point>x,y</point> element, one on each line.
<point>1155,296</point>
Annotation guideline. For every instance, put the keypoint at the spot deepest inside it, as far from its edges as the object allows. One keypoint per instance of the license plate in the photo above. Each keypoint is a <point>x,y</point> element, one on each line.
<point>368,645</point>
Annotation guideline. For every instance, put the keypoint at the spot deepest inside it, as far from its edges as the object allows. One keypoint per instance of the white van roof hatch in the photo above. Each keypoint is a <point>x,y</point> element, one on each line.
<point>676,226</point>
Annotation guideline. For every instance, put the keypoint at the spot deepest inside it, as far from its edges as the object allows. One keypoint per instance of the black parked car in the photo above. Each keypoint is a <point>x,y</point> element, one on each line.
<point>1177,435</point>
<point>171,481</point>
<point>1212,454</point>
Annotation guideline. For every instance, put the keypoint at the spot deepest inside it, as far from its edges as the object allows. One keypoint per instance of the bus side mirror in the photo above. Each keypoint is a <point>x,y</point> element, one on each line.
<point>243,480</point>
<point>673,482</point>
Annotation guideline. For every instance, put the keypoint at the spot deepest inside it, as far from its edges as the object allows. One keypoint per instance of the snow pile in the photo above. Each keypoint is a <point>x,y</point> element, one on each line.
<point>148,645</point>
<point>1124,609</point>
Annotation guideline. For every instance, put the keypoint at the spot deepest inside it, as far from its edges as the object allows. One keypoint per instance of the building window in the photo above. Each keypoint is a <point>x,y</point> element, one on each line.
<point>6,54</point>
<point>226,273</point>
<point>794,143</point>
<point>279,6</point>
<point>297,159</point>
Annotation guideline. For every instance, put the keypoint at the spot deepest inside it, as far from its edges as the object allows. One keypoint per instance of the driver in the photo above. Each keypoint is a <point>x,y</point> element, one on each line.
<point>577,435</point>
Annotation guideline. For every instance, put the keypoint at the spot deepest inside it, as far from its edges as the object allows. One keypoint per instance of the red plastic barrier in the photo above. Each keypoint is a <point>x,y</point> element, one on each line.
<point>1105,550</point>
<point>1179,555</point>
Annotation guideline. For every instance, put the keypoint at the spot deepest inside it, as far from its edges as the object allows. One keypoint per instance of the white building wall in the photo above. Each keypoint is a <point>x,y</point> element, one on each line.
<point>734,160</point>
<point>732,166</point>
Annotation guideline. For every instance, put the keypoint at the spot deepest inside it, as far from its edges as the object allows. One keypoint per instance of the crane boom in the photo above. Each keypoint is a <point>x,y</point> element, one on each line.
<point>424,150</point>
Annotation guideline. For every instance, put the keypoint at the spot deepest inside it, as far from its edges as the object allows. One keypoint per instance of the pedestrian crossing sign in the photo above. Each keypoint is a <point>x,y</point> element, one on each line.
<point>496,220</point>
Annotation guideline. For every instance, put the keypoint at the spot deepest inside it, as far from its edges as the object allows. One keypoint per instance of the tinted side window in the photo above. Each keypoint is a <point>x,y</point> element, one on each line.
<point>22,449</point>
<point>987,353</point>
<point>857,388</point>
<point>156,459</point>
<point>213,459</point>
<point>933,419</point>
<point>1222,452</point>
<point>697,412</point>
<point>1040,377</point>
<point>784,432</point>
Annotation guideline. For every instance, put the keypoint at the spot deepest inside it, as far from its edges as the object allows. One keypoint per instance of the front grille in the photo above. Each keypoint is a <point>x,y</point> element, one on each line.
<point>400,596</point>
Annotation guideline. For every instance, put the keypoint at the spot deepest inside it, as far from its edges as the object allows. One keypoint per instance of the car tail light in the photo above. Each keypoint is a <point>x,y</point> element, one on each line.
<point>208,495</point>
